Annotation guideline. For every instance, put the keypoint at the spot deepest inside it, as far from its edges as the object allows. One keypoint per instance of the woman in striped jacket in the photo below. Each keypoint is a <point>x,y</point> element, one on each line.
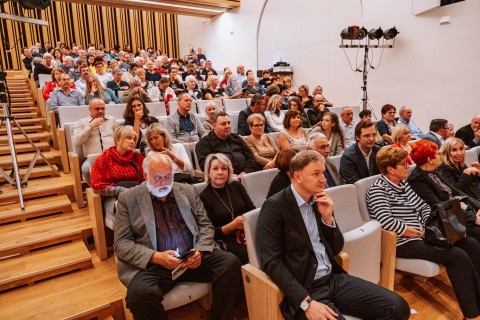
<point>392,202</point>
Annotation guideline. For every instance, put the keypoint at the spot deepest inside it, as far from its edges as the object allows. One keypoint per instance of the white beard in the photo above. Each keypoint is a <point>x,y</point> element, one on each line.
<point>160,192</point>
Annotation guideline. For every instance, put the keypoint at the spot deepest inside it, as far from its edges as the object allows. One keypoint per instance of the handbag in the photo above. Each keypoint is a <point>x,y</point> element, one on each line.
<point>446,224</point>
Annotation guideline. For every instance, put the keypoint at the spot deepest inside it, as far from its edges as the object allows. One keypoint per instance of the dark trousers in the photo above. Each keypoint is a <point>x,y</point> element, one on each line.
<point>463,268</point>
<point>346,294</point>
<point>145,291</point>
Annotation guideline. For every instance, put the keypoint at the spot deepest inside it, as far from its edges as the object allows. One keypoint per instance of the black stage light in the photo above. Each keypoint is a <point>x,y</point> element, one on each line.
<point>353,33</point>
<point>391,33</point>
<point>375,33</point>
<point>34,4</point>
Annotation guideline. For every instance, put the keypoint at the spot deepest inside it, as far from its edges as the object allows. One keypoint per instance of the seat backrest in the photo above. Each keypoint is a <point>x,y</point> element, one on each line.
<point>157,109</point>
<point>201,104</point>
<point>200,186</point>
<point>189,150</point>
<point>346,210</point>
<point>250,220</point>
<point>120,94</point>
<point>234,121</point>
<point>249,101</point>
<point>234,105</point>
<point>115,110</point>
<point>42,78</point>
<point>274,136</point>
<point>67,114</point>
<point>336,161</point>
<point>172,107</point>
<point>257,185</point>
<point>471,156</point>
<point>162,120</point>
<point>92,157</point>
<point>68,127</point>
<point>362,188</point>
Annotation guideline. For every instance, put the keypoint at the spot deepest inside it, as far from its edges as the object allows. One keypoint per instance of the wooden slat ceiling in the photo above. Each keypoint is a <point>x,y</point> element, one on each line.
<point>198,8</point>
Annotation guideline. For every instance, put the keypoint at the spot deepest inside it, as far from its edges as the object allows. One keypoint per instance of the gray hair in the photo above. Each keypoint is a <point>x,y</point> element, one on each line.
<point>67,58</point>
<point>136,80</point>
<point>154,156</point>
<point>117,70</point>
<point>312,137</point>
<point>223,159</point>
<point>46,54</point>
<point>189,78</point>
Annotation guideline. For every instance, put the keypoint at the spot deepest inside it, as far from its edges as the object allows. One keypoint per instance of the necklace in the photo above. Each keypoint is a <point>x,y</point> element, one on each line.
<point>229,200</point>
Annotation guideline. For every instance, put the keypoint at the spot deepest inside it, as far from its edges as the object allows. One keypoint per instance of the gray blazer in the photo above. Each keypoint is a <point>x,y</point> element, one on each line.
<point>134,228</point>
<point>172,124</point>
<point>335,147</point>
<point>433,138</point>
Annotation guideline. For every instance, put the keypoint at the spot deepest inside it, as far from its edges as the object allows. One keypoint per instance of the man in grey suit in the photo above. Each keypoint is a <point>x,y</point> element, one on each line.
<point>438,131</point>
<point>318,141</point>
<point>155,221</point>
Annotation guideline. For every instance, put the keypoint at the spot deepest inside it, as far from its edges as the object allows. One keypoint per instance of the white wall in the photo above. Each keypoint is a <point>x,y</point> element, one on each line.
<point>433,68</point>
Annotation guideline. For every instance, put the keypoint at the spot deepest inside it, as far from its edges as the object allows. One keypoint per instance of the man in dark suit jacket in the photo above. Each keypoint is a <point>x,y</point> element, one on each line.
<point>470,134</point>
<point>297,241</point>
<point>438,131</point>
<point>257,104</point>
<point>353,164</point>
<point>154,220</point>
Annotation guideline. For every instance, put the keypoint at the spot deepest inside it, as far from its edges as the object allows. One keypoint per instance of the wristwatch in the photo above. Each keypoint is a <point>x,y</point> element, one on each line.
<point>305,304</point>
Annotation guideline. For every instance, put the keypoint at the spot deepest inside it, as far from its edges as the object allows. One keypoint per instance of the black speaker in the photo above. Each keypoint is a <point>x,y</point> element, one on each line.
<point>259,73</point>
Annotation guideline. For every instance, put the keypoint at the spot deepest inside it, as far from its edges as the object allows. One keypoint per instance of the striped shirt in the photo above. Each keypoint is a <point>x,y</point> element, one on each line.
<point>396,207</point>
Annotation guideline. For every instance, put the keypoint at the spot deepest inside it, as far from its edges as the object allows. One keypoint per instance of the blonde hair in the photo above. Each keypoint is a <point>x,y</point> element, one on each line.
<point>255,116</point>
<point>123,133</point>
<point>210,80</point>
<point>399,131</point>
<point>272,103</point>
<point>222,159</point>
<point>89,88</point>
<point>159,129</point>
<point>445,149</point>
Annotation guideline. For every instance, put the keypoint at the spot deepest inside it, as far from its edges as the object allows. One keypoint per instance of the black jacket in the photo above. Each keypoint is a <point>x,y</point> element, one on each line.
<point>353,166</point>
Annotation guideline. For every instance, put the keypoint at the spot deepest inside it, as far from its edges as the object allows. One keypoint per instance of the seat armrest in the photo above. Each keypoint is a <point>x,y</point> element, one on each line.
<point>343,260</point>
<point>387,259</point>
<point>98,225</point>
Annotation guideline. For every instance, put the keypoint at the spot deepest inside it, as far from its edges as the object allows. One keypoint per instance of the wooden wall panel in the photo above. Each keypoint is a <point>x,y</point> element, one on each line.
<point>85,24</point>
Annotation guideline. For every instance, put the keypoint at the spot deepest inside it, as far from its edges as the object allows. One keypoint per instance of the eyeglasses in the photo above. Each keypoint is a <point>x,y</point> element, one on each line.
<point>99,109</point>
<point>258,125</point>
<point>404,164</point>
<point>166,178</point>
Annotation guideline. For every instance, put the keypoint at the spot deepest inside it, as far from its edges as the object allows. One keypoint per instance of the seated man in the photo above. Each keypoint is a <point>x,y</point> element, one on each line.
<point>154,222</point>
<point>27,59</point>
<point>136,90</point>
<point>81,83</point>
<point>69,67</point>
<point>297,239</point>
<point>438,132</point>
<point>315,113</point>
<point>470,134</point>
<point>405,117</point>
<point>163,92</point>
<point>183,125</point>
<point>252,88</point>
<point>318,141</point>
<point>358,160</point>
<point>65,96</point>
<point>222,140</point>
<point>257,105</point>
<point>348,126</point>
<point>94,133</point>
<point>208,67</point>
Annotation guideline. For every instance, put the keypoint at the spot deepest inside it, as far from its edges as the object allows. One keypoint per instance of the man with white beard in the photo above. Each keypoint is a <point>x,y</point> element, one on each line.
<point>155,223</point>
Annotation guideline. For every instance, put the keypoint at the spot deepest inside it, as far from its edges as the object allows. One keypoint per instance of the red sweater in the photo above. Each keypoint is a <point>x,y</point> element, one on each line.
<point>110,168</point>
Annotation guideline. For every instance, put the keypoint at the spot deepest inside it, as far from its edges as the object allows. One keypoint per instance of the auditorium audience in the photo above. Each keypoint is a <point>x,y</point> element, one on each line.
<point>210,111</point>
<point>307,100</point>
<point>318,109</point>
<point>141,74</point>
<point>319,90</point>
<point>101,72</point>
<point>470,133</point>
<point>386,125</point>
<point>433,188</point>
<point>454,170</point>
<point>151,74</point>
<point>175,83</point>
<point>294,136</point>
<point>274,114</point>
<point>42,66</point>
<point>358,160</point>
<point>226,201</point>
<point>318,141</point>
<point>401,137</point>
<point>222,140</point>
<point>213,92</point>
<point>65,96</point>
<point>137,116</point>
<point>262,145</point>
<point>348,126</point>
<point>365,115</point>
<point>405,117</point>
<point>191,88</point>
<point>330,127</point>
<point>295,103</point>
<point>438,132</point>
<point>287,81</point>
<point>392,202</point>
<point>257,104</point>
<point>251,88</point>
<point>117,84</point>
<point>159,140</point>
<point>163,92</point>
<point>451,130</point>
<point>137,91</point>
<point>183,125</point>
<point>282,179</point>
<point>54,84</point>
<point>95,90</point>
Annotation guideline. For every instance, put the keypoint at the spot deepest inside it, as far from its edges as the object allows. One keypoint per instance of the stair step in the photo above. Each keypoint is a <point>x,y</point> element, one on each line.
<point>37,172</point>
<point>24,159</point>
<point>24,147</point>
<point>15,110</point>
<point>42,264</point>
<point>29,122</point>
<point>28,129</point>
<point>24,115</point>
<point>20,238</point>
<point>20,138</point>
<point>35,208</point>
<point>22,104</point>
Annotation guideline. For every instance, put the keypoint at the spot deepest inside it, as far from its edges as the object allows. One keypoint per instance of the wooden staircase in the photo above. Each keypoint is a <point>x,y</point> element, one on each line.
<point>46,266</point>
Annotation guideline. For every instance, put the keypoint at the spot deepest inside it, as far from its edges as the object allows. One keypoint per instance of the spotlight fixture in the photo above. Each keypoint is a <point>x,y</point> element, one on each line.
<point>353,33</point>
<point>391,33</point>
<point>375,34</point>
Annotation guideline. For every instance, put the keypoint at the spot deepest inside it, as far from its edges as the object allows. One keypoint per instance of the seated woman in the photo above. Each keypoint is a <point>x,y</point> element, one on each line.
<point>330,127</point>
<point>295,103</point>
<point>213,92</point>
<point>192,89</point>
<point>53,85</point>
<point>454,170</point>
<point>282,179</point>
<point>434,189</point>
<point>225,202</point>
<point>117,168</point>
<point>137,117</point>
<point>233,88</point>
<point>400,138</point>
<point>287,81</point>
<point>386,125</point>
<point>101,72</point>
<point>274,114</point>
<point>392,202</point>
<point>210,111</point>
<point>294,136</point>
<point>307,100</point>
<point>117,84</point>
<point>141,73</point>
<point>159,140</point>
<point>94,90</point>
<point>262,145</point>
